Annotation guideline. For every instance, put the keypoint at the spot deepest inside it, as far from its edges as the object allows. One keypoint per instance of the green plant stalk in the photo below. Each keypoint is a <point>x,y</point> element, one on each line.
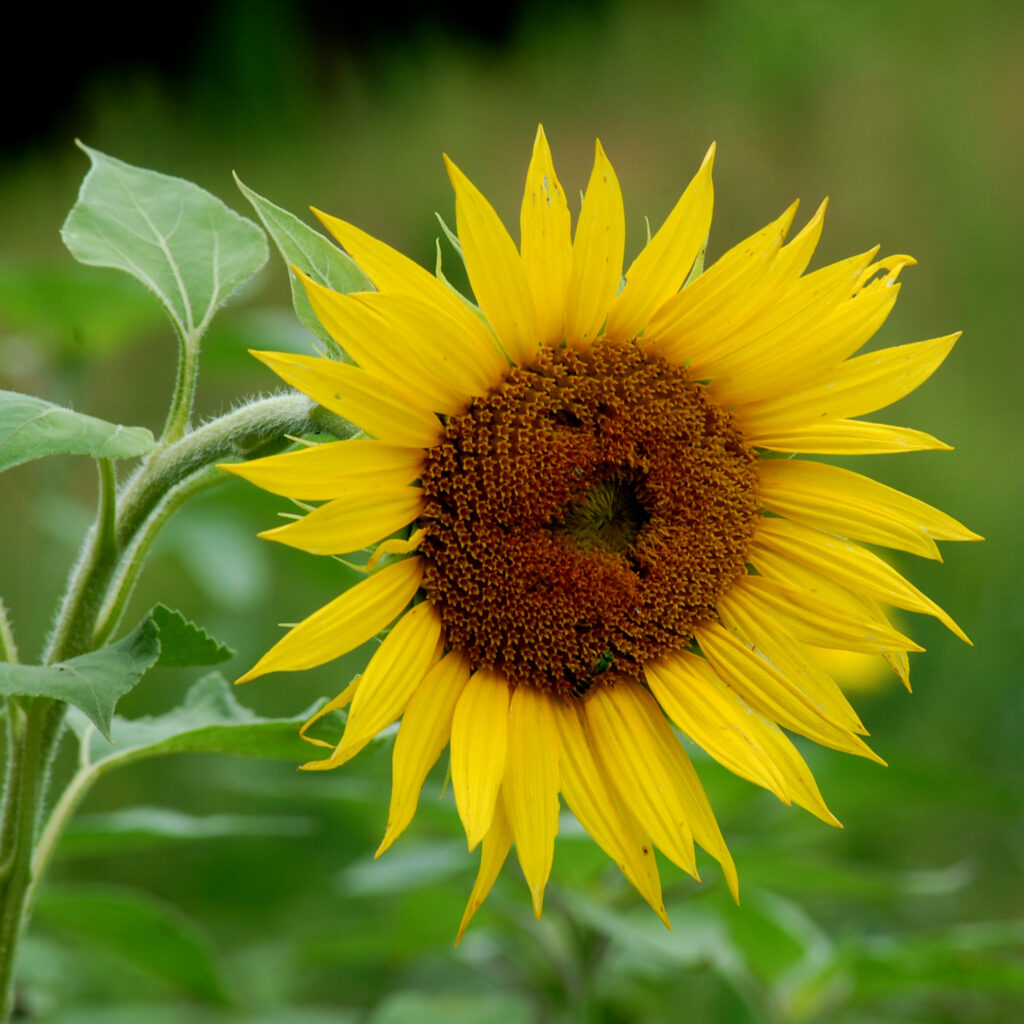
<point>127,572</point>
<point>179,416</point>
<point>26,777</point>
<point>99,585</point>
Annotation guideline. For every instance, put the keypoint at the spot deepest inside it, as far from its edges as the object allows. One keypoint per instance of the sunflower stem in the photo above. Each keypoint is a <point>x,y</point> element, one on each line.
<point>81,599</point>
<point>127,572</point>
<point>179,415</point>
<point>26,773</point>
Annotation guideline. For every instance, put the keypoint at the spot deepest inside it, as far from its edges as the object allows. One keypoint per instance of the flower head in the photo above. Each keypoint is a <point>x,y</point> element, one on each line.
<point>582,534</point>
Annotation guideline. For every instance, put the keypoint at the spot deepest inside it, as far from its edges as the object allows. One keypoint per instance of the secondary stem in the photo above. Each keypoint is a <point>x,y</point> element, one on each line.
<point>26,778</point>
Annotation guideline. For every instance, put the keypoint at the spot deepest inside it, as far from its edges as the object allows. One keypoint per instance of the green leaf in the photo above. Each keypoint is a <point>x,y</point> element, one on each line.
<point>183,643</point>
<point>149,934</point>
<point>142,828</point>
<point>93,682</point>
<point>210,720</point>
<point>182,243</point>
<point>453,1008</point>
<point>32,427</point>
<point>979,957</point>
<point>312,253</point>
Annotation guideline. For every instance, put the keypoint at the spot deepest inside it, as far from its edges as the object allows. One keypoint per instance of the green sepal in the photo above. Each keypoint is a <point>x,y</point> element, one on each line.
<point>313,254</point>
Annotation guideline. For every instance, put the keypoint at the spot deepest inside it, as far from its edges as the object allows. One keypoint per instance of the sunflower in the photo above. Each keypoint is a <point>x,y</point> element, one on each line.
<point>581,527</point>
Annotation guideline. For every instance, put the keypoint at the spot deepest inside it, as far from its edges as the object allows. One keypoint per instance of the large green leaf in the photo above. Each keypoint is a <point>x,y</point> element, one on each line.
<point>141,828</point>
<point>183,643</point>
<point>312,253</point>
<point>93,682</point>
<point>210,720</point>
<point>32,427</point>
<point>149,934</point>
<point>182,243</point>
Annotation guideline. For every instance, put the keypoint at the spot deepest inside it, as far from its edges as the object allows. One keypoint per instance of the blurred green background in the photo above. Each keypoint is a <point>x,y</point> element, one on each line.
<point>258,882</point>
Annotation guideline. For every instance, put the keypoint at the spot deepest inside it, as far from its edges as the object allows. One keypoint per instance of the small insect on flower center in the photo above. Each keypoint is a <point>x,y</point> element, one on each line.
<point>584,516</point>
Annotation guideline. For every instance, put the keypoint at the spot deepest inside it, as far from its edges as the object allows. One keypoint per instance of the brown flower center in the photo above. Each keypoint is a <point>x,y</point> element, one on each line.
<point>584,516</point>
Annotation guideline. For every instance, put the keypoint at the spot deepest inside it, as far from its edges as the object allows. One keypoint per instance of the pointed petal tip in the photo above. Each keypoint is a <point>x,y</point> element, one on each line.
<point>537,898</point>
<point>709,156</point>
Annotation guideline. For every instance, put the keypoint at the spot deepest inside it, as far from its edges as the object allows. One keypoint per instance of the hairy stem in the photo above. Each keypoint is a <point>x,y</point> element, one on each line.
<point>25,780</point>
<point>127,573</point>
<point>179,415</point>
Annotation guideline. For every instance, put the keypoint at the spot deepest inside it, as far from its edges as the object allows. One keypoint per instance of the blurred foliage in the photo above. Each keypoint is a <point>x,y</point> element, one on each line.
<point>216,889</point>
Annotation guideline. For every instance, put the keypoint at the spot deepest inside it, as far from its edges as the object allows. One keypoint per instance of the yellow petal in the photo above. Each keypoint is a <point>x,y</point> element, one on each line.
<point>545,242</point>
<point>495,269</point>
<point>596,255</point>
<point>822,615</point>
<point>715,717</point>
<point>768,691</point>
<point>395,670</point>
<point>351,523</point>
<point>395,546</point>
<point>785,320</point>
<point>530,789</point>
<point>395,273</point>
<point>424,733</point>
<point>832,500</point>
<point>348,621</point>
<point>801,356</point>
<point>847,437</point>
<point>661,268</point>
<point>497,843</point>
<point>331,470</point>
<point>478,749</point>
<point>335,704</point>
<point>358,397</point>
<point>684,779</point>
<point>598,809</point>
<point>850,566</point>
<point>857,386</point>
<point>711,294</point>
<point>772,640</point>
<point>838,501</point>
<point>767,302</point>
<point>633,757</point>
<point>816,592</point>
<point>400,361</point>
<point>900,664</point>
<point>471,364</point>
